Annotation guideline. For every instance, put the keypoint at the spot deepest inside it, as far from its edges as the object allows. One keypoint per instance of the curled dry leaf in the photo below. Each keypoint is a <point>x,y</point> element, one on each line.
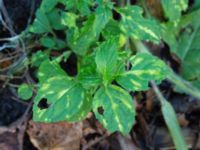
<point>55,136</point>
<point>182,120</point>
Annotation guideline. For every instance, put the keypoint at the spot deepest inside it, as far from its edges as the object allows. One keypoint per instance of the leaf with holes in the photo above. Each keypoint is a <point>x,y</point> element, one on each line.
<point>145,68</point>
<point>114,108</point>
<point>135,25</point>
<point>66,98</point>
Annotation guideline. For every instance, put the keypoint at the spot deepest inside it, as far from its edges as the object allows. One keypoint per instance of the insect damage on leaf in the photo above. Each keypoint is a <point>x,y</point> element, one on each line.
<point>82,63</point>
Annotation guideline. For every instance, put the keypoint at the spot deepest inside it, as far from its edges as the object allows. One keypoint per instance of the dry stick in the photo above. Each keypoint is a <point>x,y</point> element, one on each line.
<point>23,124</point>
<point>9,58</point>
<point>96,141</point>
<point>7,18</point>
<point>24,121</point>
<point>31,13</point>
<point>19,101</point>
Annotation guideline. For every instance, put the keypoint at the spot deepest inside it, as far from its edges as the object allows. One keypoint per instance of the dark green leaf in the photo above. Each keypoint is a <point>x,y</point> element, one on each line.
<point>48,42</point>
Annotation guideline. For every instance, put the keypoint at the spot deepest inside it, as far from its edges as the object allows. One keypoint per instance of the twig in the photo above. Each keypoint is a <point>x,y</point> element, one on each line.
<point>11,39</point>
<point>7,18</point>
<point>6,46</point>
<point>96,141</point>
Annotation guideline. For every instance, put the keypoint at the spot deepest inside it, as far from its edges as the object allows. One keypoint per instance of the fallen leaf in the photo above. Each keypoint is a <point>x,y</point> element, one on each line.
<point>55,136</point>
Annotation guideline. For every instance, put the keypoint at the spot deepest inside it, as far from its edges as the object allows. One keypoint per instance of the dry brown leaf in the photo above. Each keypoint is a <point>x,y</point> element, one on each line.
<point>6,63</point>
<point>55,136</point>
<point>155,8</point>
<point>150,100</point>
<point>8,141</point>
<point>182,120</point>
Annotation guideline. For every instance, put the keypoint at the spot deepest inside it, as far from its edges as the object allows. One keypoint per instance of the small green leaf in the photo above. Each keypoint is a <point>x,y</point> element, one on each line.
<point>114,108</point>
<point>48,42</point>
<point>173,8</point>
<point>145,68</point>
<point>25,92</point>
<point>87,75</point>
<point>173,125</point>
<point>69,19</point>
<point>135,25</point>
<point>106,59</point>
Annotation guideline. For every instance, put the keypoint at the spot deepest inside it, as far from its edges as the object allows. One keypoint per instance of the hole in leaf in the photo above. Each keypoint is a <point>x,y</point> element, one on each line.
<point>133,2</point>
<point>92,136</point>
<point>191,2</point>
<point>60,6</point>
<point>116,15</point>
<point>168,57</point>
<point>43,104</point>
<point>94,7</point>
<point>100,110</point>
<point>101,38</point>
<point>70,66</point>
<point>114,82</point>
<point>60,34</point>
